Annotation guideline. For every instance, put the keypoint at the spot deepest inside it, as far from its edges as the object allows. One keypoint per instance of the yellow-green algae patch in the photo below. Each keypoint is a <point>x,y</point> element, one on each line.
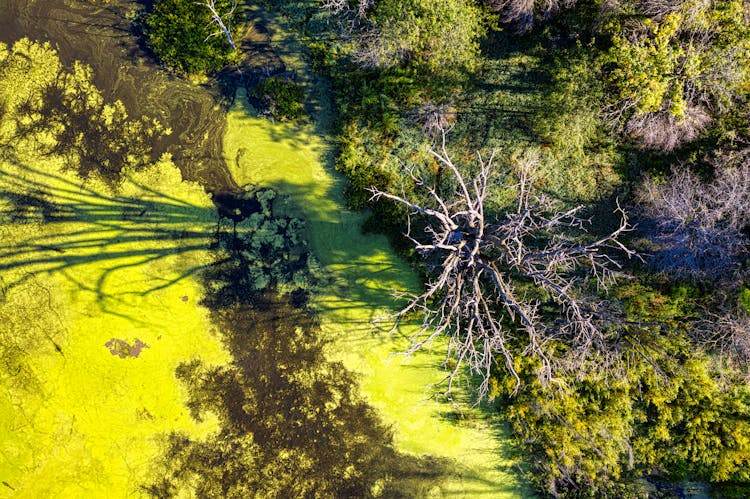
<point>292,159</point>
<point>87,274</point>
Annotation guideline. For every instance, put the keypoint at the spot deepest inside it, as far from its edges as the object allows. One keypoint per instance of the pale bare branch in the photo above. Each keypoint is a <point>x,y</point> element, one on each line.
<point>222,21</point>
<point>484,272</point>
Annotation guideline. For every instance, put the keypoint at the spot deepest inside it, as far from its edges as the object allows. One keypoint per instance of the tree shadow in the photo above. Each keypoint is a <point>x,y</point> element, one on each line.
<point>56,200</point>
<point>99,240</point>
<point>106,38</point>
<point>292,422</point>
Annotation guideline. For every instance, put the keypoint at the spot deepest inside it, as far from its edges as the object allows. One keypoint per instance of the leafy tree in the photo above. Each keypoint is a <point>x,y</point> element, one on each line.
<point>694,425</point>
<point>672,65</point>
<point>440,35</point>
<point>183,36</point>
<point>670,415</point>
<point>577,438</point>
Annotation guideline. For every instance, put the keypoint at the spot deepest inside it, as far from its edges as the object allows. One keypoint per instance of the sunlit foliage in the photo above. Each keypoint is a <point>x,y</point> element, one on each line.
<point>671,416</point>
<point>439,35</point>
<point>674,65</point>
<point>180,32</point>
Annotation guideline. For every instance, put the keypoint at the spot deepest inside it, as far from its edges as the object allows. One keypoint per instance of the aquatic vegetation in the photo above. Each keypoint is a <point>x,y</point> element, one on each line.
<point>282,97</point>
<point>362,274</point>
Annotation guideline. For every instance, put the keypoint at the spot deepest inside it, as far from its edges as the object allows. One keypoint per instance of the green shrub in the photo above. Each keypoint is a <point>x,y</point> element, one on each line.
<point>283,98</point>
<point>669,413</point>
<point>180,34</point>
<point>744,299</point>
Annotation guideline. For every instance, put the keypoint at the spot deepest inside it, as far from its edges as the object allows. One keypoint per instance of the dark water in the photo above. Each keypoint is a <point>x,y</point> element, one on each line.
<point>102,35</point>
<point>292,423</point>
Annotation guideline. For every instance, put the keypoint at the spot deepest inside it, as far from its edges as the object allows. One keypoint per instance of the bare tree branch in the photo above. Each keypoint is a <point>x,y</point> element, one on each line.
<point>521,13</point>
<point>727,333</point>
<point>222,21</point>
<point>491,278</point>
<point>696,228</point>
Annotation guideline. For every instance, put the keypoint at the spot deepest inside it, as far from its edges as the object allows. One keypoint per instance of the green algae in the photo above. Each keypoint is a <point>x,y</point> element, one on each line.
<point>365,273</point>
<point>82,264</point>
<point>85,422</point>
<point>292,422</point>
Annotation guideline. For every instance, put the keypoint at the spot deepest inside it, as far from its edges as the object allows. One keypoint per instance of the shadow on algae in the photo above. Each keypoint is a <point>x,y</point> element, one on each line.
<point>99,305</point>
<point>158,341</point>
<point>141,357</point>
<point>363,274</point>
<point>146,351</point>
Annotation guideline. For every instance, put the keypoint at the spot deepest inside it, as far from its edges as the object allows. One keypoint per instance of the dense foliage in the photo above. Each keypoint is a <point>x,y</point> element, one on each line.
<point>182,35</point>
<point>676,64</point>
<point>670,415</point>
<point>440,36</point>
<point>281,98</point>
<point>598,95</point>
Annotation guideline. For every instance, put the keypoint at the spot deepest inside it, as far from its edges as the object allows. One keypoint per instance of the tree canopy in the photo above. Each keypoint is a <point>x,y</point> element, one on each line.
<point>182,34</point>
<point>438,35</point>
<point>675,65</point>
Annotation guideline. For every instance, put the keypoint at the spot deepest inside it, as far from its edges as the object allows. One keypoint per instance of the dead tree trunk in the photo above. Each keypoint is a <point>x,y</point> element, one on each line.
<point>223,22</point>
<point>485,272</point>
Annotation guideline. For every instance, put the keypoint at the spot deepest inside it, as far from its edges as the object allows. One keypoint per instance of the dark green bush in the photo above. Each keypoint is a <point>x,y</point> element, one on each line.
<point>179,32</point>
<point>282,98</point>
<point>669,415</point>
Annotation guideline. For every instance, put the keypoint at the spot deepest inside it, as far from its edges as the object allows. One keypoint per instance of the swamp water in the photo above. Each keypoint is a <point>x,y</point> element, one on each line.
<point>139,353</point>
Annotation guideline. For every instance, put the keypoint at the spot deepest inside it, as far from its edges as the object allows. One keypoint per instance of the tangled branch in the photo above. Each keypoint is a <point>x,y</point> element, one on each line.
<point>491,278</point>
<point>698,228</point>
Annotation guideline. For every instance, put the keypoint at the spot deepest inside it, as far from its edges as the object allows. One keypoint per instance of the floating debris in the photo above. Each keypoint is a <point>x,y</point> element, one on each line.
<point>123,349</point>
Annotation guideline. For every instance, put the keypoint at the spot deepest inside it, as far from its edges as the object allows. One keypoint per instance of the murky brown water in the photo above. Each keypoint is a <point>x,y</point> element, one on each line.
<point>102,35</point>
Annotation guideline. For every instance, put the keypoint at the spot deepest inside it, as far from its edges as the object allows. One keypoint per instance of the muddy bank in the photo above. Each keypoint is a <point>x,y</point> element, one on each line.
<point>103,35</point>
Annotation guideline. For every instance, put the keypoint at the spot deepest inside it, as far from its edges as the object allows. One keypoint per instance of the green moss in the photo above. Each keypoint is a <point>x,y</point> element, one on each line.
<point>744,299</point>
